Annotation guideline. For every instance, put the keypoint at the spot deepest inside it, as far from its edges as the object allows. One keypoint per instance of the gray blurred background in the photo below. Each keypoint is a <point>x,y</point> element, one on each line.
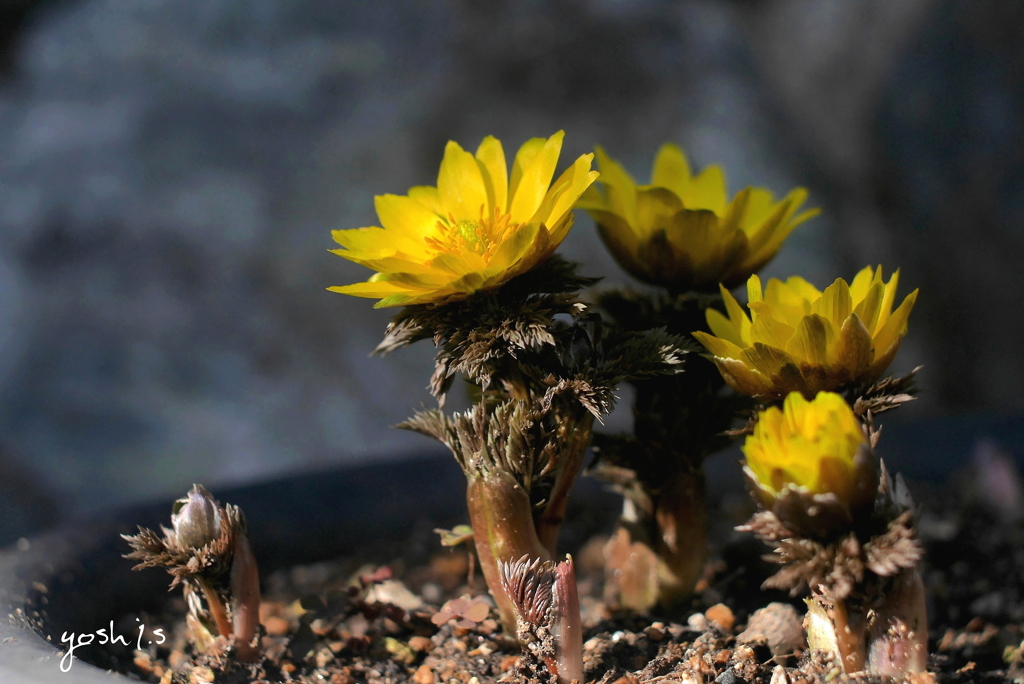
<point>170,173</point>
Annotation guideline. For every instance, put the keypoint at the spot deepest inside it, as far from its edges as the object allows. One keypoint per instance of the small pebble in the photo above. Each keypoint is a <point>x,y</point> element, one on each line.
<point>276,626</point>
<point>721,615</point>
<point>697,622</point>
<point>654,634</point>
<point>779,625</point>
<point>729,677</point>
<point>424,675</point>
<point>201,675</point>
<point>420,644</point>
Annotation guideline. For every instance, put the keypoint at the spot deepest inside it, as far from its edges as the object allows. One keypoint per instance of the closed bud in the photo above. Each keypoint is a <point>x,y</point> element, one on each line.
<point>196,519</point>
<point>810,464</point>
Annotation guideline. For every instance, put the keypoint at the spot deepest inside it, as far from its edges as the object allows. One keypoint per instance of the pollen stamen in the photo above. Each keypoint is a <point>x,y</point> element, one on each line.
<point>481,237</point>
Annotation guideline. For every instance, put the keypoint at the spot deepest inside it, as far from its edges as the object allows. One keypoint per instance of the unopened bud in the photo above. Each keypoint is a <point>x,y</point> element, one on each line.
<point>548,613</point>
<point>196,519</point>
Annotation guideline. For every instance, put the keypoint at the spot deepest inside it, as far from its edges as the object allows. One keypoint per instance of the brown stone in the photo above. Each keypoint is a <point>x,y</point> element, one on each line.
<point>420,644</point>
<point>722,616</point>
<point>778,625</point>
<point>276,626</point>
<point>424,675</point>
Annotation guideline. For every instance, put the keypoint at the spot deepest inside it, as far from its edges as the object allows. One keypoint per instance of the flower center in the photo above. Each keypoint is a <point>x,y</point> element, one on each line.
<point>482,236</point>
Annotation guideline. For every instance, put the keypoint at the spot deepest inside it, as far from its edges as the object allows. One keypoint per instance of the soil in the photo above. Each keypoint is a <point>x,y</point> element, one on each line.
<point>351,620</point>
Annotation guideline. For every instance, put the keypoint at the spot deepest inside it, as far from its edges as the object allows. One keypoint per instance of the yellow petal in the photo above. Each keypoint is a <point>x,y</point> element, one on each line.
<point>792,201</point>
<point>771,331</point>
<point>736,315</point>
<point>491,157</point>
<point>860,284</point>
<point>367,242</point>
<point>707,191</point>
<point>372,290</point>
<point>460,185</point>
<point>896,327</point>
<point>384,263</point>
<point>754,293</point>
<point>870,304</point>
<point>812,340</point>
<point>594,198</point>
<point>888,298</point>
<point>801,289</point>
<point>723,327</point>
<point>835,303</point>
<point>742,378</point>
<point>514,248</point>
<point>405,217</point>
<point>854,350</point>
<point>621,241</point>
<point>716,345</point>
<point>524,158</point>
<point>671,169</point>
<point>565,192</point>
<point>446,266</point>
<point>618,184</point>
<point>770,361</point>
<point>655,208</point>
<point>535,180</point>
<point>428,197</point>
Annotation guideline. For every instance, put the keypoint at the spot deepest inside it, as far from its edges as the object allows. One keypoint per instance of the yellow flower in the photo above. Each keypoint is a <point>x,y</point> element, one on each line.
<point>800,339</point>
<point>474,231</point>
<point>811,445</point>
<point>681,231</point>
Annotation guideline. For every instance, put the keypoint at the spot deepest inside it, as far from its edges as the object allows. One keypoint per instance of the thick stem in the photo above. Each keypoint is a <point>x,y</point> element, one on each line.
<point>850,638</point>
<point>575,435</point>
<point>834,630</point>
<point>898,638</point>
<point>503,529</point>
<point>658,553</point>
<point>245,600</point>
<point>680,512</point>
<point>217,610</point>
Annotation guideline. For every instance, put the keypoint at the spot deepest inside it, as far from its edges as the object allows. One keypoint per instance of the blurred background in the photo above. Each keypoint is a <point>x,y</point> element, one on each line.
<point>170,172</point>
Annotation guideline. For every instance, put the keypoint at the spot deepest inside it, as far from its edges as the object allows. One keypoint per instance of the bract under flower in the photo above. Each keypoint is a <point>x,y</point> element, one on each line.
<point>476,230</point>
<point>681,231</point>
<point>811,445</point>
<point>798,338</point>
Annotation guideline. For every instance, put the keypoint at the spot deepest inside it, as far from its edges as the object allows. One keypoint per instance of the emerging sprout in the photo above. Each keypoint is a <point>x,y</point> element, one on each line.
<point>547,615</point>
<point>208,552</point>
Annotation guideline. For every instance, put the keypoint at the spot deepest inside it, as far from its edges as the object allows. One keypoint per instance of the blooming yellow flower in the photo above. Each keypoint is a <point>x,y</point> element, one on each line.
<point>811,445</point>
<point>681,231</point>
<point>800,339</point>
<point>476,230</point>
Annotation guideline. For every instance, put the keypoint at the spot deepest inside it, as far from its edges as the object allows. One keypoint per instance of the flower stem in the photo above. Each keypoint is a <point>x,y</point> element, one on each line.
<point>503,530</point>
<point>575,435</point>
<point>680,512</point>
<point>245,600</point>
<point>898,638</point>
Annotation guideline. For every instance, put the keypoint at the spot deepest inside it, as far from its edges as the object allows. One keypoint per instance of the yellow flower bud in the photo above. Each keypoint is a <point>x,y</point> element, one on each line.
<point>808,445</point>
<point>799,339</point>
<point>681,231</point>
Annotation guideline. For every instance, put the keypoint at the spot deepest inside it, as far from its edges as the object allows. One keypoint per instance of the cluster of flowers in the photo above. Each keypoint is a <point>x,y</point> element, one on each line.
<point>471,263</point>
